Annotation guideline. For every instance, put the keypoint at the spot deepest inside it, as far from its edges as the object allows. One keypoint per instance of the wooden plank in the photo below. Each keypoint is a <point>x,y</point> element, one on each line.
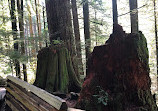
<point>14,104</point>
<point>29,100</point>
<point>22,100</point>
<point>11,105</point>
<point>55,101</point>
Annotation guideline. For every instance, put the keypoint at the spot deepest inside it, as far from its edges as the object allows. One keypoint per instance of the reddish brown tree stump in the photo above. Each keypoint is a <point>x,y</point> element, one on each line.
<point>118,75</point>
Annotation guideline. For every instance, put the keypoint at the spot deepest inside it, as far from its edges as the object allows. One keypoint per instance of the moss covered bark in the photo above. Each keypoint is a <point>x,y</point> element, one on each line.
<point>121,69</point>
<point>55,72</point>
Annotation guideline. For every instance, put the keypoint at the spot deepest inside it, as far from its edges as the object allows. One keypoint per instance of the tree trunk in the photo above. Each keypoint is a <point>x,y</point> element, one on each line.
<point>86,28</point>
<point>134,16</point>
<point>156,37</point>
<point>21,27</point>
<point>14,29</point>
<point>96,27</point>
<point>118,75</point>
<point>44,25</point>
<point>38,22</point>
<point>55,72</point>
<point>59,22</point>
<point>60,26</point>
<point>77,36</point>
<point>115,14</point>
<point>32,42</point>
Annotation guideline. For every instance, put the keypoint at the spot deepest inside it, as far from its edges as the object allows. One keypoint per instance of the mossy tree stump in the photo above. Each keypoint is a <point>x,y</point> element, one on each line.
<point>55,72</point>
<point>120,69</point>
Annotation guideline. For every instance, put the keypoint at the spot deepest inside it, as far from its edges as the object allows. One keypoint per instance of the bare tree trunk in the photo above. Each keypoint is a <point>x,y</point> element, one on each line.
<point>77,36</point>
<point>26,35</point>
<point>32,43</point>
<point>134,16</point>
<point>86,28</point>
<point>44,25</point>
<point>115,14</point>
<point>38,22</point>
<point>95,27</point>
<point>156,36</point>
<point>59,22</point>
<point>21,27</point>
<point>14,29</point>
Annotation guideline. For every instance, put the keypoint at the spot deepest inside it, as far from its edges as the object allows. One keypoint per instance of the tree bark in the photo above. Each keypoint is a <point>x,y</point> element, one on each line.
<point>77,36</point>
<point>134,16</point>
<point>44,25</point>
<point>14,29</point>
<point>55,72</point>
<point>38,22</point>
<point>32,42</point>
<point>60,26</point>
<point>118,75</point>
<point>115,14</point>
<point>156,36</point>
<point>86,28</point>
<point>21,27</point>
<point>59,22</point>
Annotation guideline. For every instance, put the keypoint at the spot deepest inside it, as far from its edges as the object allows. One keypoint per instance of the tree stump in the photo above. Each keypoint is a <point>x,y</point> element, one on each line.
<point>55,72</point>
<point>118,75</point>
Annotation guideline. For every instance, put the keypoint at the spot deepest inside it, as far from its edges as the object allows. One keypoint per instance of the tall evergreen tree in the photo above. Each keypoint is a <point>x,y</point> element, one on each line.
<point>21,27</point>
<point>86,27</point>
<point>38,21</point>
<point>44,25</point>
<point>156,36</point>
<point>14,29</point>
<point>115,14</point>
<point>34,48</point>
<point>77,35</point>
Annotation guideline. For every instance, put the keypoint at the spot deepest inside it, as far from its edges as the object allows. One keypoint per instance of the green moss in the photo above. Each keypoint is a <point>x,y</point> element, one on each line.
<point>74,83</point>
<point>142,49</point>
<point>41,73</point>
<point>52,72</point>
<point>63,72</point>
<point>146,99</point>
<point>55,71</point>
